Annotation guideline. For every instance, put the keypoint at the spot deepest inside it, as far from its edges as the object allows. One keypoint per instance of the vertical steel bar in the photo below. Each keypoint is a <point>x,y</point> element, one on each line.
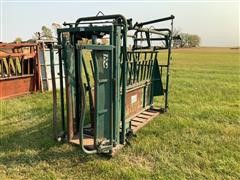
<point>96,94</point>
<point>53,91</point>
<point>168,65</point>
<point>77,81</point>
<point>69,103</point>
<point>38,69</point>
<point>61,83</point>
<point>82,104</point>
<point>123,110</point>
<point>91,64</point>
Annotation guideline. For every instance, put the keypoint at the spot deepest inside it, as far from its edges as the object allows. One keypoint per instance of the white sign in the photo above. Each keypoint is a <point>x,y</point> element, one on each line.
<point>133,99</point>
<point>105,61</point>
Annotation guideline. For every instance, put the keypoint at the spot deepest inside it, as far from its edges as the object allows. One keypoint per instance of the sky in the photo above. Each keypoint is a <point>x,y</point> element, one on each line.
<point>216,22</point>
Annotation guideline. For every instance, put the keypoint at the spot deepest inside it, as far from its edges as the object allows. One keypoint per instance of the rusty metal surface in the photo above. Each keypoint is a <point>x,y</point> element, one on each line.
<point>19,69</point>
<point>134,102</point>
<point>16,45</point>
<point>15,87</point>
<point>142,119</point>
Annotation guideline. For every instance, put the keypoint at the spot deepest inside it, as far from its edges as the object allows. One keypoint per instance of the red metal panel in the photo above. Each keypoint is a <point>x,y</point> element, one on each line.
<point>16,86</point>
<point>134,103</point>
<point>13,84</point>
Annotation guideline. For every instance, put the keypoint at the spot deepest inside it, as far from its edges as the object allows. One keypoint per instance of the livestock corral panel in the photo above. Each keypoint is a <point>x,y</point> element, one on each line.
<point>19,69</point>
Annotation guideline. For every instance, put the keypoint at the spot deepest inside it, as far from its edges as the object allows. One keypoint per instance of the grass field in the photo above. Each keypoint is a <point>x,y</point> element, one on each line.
<point>198,138</point>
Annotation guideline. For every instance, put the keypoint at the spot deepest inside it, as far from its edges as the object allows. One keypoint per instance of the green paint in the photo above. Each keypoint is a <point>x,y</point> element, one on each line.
<point>114,71</point>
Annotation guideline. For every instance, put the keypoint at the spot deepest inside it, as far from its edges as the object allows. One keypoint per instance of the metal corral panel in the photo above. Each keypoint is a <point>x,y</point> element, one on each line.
<point>46,69</point>
<point>19,69</point>
<point>16,86</point>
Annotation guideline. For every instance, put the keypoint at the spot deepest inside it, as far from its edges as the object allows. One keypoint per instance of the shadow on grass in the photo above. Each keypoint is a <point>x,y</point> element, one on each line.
<point>35,144</point>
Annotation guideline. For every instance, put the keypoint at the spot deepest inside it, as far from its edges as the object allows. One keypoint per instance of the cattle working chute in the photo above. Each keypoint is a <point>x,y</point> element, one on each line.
<point>110,84</point>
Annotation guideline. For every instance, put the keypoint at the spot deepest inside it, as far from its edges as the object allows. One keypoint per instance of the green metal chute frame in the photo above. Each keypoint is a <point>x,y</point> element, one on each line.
<point>133,74</point>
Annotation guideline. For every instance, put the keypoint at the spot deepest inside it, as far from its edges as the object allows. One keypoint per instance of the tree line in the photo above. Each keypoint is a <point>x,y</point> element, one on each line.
<point>185,40</point>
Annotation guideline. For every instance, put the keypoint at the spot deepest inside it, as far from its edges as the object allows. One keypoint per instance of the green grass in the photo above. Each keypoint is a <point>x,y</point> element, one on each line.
<point>198,138</point>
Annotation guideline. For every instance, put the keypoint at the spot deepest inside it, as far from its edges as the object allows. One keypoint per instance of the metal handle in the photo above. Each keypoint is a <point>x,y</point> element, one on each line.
<point>83,108</point>
<point>154,21</point>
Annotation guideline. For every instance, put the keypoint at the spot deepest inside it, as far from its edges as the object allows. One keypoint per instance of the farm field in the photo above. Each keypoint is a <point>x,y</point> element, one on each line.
<point>198,138</point>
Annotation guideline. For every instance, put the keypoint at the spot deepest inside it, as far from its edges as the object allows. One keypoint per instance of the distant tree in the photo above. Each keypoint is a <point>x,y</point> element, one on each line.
<point>189,40</point>
<point>32,40</point>
<point>194,40</point>
<point>18,40</point>
<point>185,40</point>
<point>47,33</point>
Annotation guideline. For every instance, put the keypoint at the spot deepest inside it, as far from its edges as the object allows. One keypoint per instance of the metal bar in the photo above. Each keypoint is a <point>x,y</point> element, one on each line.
<point>77,87</point>
<point>168,63</point>
<point>127,72</point>
<point>96,79</point>
<point>18,77</point>
<point>104,29</point>
<point>82,98</point>
<point>9,70</point>
<point>148,38</point>
<point>163,65</point>
<point>144,71</point>
<point>28,60</point>
<point>145,55</point>
<point>130,73</point>
<point>89,92</point>
<point>151,69</point>
<point>111,92</point>
<point>91,64</point>
<point>93,18</point>
<point>134,69</point>
<point>142,66</point>
<point>2,69</point>
<point>61,83</point>
<point>138,85</point>
<point>54,92</point>
<point>68,95</point>
<point>153,31</point>
<point>148,69</point>
<point>151,39</point>
<point>96,22</point>
<point>138,70</point>
<point>155,21</point>
<point>161,71</point>
<point>38,69</point>
<point>163,29</point>
<point>95,47</point>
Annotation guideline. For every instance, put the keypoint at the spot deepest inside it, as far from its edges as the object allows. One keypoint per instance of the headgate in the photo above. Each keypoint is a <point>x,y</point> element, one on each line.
<point>109,85</point>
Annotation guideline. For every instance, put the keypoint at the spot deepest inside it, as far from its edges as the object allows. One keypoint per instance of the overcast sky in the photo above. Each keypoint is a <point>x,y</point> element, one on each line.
<point>217,23</point>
